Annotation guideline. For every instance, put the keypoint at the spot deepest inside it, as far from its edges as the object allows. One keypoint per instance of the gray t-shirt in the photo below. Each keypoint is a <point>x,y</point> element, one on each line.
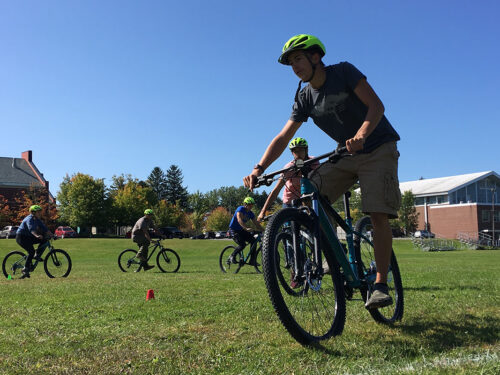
<point>143,224</point>
<point>338,111</point>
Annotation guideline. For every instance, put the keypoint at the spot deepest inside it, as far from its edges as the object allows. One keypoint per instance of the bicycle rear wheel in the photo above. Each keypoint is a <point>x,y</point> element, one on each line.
<point>127,261</point>
<point>316,310</point>
<point>13,263</point>
<point>363,249</point>
<point>168,260</point>
<point>57,263</point>
<point>224,262</point>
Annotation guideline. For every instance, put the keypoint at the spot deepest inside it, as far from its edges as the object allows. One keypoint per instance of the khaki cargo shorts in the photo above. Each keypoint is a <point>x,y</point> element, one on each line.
<point>377,173</point>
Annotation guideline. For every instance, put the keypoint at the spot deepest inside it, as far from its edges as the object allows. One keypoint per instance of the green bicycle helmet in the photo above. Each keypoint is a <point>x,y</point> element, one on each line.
<point>301,42</point>
<point>35,208</point>
<point>249,200</point>
<point>148,211</point>
<point>298,142</point>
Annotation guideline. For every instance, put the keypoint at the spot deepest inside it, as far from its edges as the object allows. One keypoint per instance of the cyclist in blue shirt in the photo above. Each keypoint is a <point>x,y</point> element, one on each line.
<point>32,231</point>
<point>240,231</point>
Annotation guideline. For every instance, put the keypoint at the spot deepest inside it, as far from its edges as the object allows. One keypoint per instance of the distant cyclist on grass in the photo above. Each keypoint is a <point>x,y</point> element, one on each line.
<point>32,231</point>
<point>140,235</point>
<point>341,103</point>
<point>291,180</point>
<point>241,232</point>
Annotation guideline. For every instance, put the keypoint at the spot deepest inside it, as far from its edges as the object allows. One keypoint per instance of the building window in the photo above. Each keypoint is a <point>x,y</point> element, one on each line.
<point>497,216</point>
<point>432,200</point>
<point>453,197</point>
<point>442,199</point>
<point>461,195</point>
<point>471,193</point>
<point>486,216</point>
<point>419,201</point>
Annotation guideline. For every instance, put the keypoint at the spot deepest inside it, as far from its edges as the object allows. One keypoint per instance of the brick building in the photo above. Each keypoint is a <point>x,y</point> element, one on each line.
<point>458,205</point>
<point>20,174</point>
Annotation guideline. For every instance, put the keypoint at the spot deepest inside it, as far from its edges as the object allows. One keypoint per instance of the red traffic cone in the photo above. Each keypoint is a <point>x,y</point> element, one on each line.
<point>150,294</point>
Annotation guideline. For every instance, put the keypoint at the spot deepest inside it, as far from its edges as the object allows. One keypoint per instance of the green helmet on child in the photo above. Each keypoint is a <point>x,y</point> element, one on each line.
<point>298,142</point>
<point>148,211</point>
<point>249,200</point>
<point>35,208</point>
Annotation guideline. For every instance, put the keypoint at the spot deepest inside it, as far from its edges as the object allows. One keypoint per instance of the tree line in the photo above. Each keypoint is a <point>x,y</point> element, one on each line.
<point>85,202</point>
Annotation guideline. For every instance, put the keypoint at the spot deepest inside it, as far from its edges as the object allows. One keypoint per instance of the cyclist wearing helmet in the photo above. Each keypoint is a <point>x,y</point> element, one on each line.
<point>140,235</point>
<point>341,103</point>
<point>240,231</point>
<point>32,231</point>
<point>291,181</point>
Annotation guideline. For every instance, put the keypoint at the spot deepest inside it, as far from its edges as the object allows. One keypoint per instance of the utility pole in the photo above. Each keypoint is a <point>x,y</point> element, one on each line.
<point>493,191</point>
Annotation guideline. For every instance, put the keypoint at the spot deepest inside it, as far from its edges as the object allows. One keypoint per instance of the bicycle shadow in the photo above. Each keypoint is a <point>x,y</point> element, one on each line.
<point>441,335</point>
<point>436,335</point>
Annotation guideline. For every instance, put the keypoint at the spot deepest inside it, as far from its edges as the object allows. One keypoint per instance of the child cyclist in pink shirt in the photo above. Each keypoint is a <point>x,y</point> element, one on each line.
<point>290,180</point>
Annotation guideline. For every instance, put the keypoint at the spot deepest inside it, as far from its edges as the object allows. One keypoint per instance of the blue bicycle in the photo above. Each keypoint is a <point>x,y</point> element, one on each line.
<point>309,273</point>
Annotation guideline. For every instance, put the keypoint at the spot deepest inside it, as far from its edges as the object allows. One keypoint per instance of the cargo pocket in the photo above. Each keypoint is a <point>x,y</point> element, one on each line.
<point>392,192</point>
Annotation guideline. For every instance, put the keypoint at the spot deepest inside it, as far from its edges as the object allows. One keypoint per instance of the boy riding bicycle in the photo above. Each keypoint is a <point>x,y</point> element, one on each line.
<point>291,181</point>
<point>32,231</point>
<point>341,102</point>
<point>241,232</point>
<point>140,235</point>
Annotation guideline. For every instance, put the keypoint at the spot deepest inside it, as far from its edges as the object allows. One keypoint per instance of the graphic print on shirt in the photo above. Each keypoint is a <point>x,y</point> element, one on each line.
<point>330,105</point>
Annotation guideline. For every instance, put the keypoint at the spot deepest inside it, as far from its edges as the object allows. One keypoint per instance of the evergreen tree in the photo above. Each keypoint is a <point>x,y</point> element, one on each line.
<point>407,214</point>
<point>174,191</point>
<point>157,181</point>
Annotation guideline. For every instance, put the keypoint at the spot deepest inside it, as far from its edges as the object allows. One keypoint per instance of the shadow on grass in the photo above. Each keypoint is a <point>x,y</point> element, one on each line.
<point>441,335</point>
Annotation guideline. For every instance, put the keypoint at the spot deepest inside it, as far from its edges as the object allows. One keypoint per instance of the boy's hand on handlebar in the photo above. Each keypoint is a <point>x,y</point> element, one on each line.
<point>355,144</point>
<point>251,180</point>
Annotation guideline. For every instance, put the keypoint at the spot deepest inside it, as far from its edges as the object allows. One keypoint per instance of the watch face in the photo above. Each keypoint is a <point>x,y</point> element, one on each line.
<point>299,163</point>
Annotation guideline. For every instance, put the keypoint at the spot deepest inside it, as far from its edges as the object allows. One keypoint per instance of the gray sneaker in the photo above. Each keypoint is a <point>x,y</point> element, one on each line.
<point>379,298</point>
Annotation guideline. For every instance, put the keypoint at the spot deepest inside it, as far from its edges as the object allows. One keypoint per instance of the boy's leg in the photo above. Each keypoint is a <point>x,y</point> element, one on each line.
<point>240,241</point>
<point>40,249</point>
<point>382,245</point>
<point>378,175</point>
<point>27,244</point>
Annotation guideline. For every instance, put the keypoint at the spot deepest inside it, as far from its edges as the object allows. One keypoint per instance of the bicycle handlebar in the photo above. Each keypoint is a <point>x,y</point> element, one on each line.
<point>333,157</point>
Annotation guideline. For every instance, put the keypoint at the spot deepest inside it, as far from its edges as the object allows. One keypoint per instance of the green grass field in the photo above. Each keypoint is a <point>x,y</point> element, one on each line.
<point>97,321</point>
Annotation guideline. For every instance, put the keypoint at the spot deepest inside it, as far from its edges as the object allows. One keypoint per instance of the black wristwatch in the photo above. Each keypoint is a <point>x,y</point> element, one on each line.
<point>258,166</point>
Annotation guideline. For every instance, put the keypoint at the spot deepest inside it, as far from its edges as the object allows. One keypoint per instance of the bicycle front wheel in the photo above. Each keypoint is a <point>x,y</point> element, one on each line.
<point>168,260</point>
<point>367,269</point>
<point>258,260</point>
<point>13,263</point>
<point>314,308</point>
<point>57,263</point>
<point>127,261</point>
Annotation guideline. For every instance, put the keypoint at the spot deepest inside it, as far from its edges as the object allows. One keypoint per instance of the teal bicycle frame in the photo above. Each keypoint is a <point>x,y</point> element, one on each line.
<point>348,263</point>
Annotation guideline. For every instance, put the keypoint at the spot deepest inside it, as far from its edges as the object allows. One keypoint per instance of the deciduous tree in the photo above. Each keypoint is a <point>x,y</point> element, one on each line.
<point>83,201</point>
<point>218,219</point>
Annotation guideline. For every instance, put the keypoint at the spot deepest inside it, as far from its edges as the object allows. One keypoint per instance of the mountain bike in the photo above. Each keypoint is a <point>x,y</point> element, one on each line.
<point>240,257</point>
<point>302,240</point>
<point>57,262</point>
<point>167,260</point>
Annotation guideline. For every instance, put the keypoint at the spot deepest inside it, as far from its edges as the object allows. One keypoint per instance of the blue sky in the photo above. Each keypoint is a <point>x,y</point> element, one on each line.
<point>112,87</point>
